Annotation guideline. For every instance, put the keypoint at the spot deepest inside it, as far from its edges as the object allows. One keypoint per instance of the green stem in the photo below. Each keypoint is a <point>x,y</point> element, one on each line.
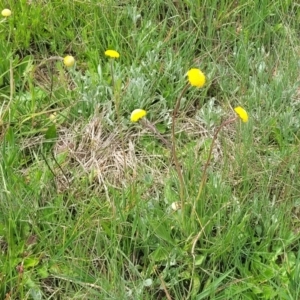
<point>204,176</point>
<point>112,74</point>
<point>174,155</point>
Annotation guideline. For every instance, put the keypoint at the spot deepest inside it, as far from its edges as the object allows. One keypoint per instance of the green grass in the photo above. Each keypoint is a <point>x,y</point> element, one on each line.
<point>86,199</point>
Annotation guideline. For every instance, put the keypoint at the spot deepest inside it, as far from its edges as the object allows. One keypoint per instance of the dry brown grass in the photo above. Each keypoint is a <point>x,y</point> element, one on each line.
<point>108,157</point>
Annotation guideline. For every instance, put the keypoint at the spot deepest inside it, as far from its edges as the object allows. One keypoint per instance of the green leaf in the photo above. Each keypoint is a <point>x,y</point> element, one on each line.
<point>199,260</point>
<point>163,232</point>
<point>212,287</point>
<point>51,132</point>
<point>31,262</point>
<point>159,254</point>
<point>196,284</point>
<point>50,136</point>
<point>43,272</point>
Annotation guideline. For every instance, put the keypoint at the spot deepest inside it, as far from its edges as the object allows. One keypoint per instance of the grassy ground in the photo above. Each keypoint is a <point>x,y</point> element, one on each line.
<point>87,198</point>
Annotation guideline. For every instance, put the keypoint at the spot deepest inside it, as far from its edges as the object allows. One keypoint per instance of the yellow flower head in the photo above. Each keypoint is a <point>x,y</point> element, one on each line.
<point>6,12</point>
<point>52,117</point>
<point>241,113</point>
<point>196,77</point>
<point>137,114</point>
<point>176,205</point>
<point>69,61</point>
<point>112,53</point>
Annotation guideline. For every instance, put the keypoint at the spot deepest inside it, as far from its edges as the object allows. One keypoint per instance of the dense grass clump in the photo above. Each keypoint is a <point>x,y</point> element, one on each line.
<point>186,202</point>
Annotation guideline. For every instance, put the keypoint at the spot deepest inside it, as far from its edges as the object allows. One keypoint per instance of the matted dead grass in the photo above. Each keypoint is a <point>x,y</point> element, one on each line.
<point>116,158</point>
<point>49,77</point>
<point>107,156</point>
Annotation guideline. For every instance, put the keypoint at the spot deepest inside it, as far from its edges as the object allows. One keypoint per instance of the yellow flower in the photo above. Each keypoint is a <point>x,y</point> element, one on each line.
<point>52,117</point>
<point>176,205</point>
<point>137,114</point>
<point>6,12</point>
<point>69,61</point>
<point>196,77</point>
<point>112,53</point>
<point>241,113</point>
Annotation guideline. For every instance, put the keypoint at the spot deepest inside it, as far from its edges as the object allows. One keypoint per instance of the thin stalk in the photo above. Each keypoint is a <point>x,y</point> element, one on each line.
<point>115,96</point>
<point>11,88</point>
<point>204,176</point>
<point>51,170</point>
<point>114,90</point>
<point>112,74</point>
<point>174,155</point>
<point>59,166</point>
<point>146,123</point>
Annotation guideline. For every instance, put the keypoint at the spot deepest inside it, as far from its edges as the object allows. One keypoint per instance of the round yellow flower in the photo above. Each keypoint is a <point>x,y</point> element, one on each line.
<point>196,77</point>
<point>112,53</point>
<point>137,114</point>
<point>176,205</point>
<point>52,117</point>
<point>6,12</point>
<point>69,61</point>
<point>241,113</point>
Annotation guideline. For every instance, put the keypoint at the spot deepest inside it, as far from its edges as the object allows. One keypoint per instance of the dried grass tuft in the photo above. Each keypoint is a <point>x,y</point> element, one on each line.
<point>106,157</point>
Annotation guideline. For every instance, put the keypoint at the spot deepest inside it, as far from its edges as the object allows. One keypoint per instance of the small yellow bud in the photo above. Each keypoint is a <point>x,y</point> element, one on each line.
<point>6,12</point>
<point>69,61</point>
<point>176,206</point>
<point>52,117</point>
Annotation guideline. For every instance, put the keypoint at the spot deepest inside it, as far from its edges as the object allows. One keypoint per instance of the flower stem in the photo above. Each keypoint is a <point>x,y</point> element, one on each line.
<point>204,175</point>
<point>112,74</point>
<point>174,155</point>
<point>146,123</point>
<point>114,91</point>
